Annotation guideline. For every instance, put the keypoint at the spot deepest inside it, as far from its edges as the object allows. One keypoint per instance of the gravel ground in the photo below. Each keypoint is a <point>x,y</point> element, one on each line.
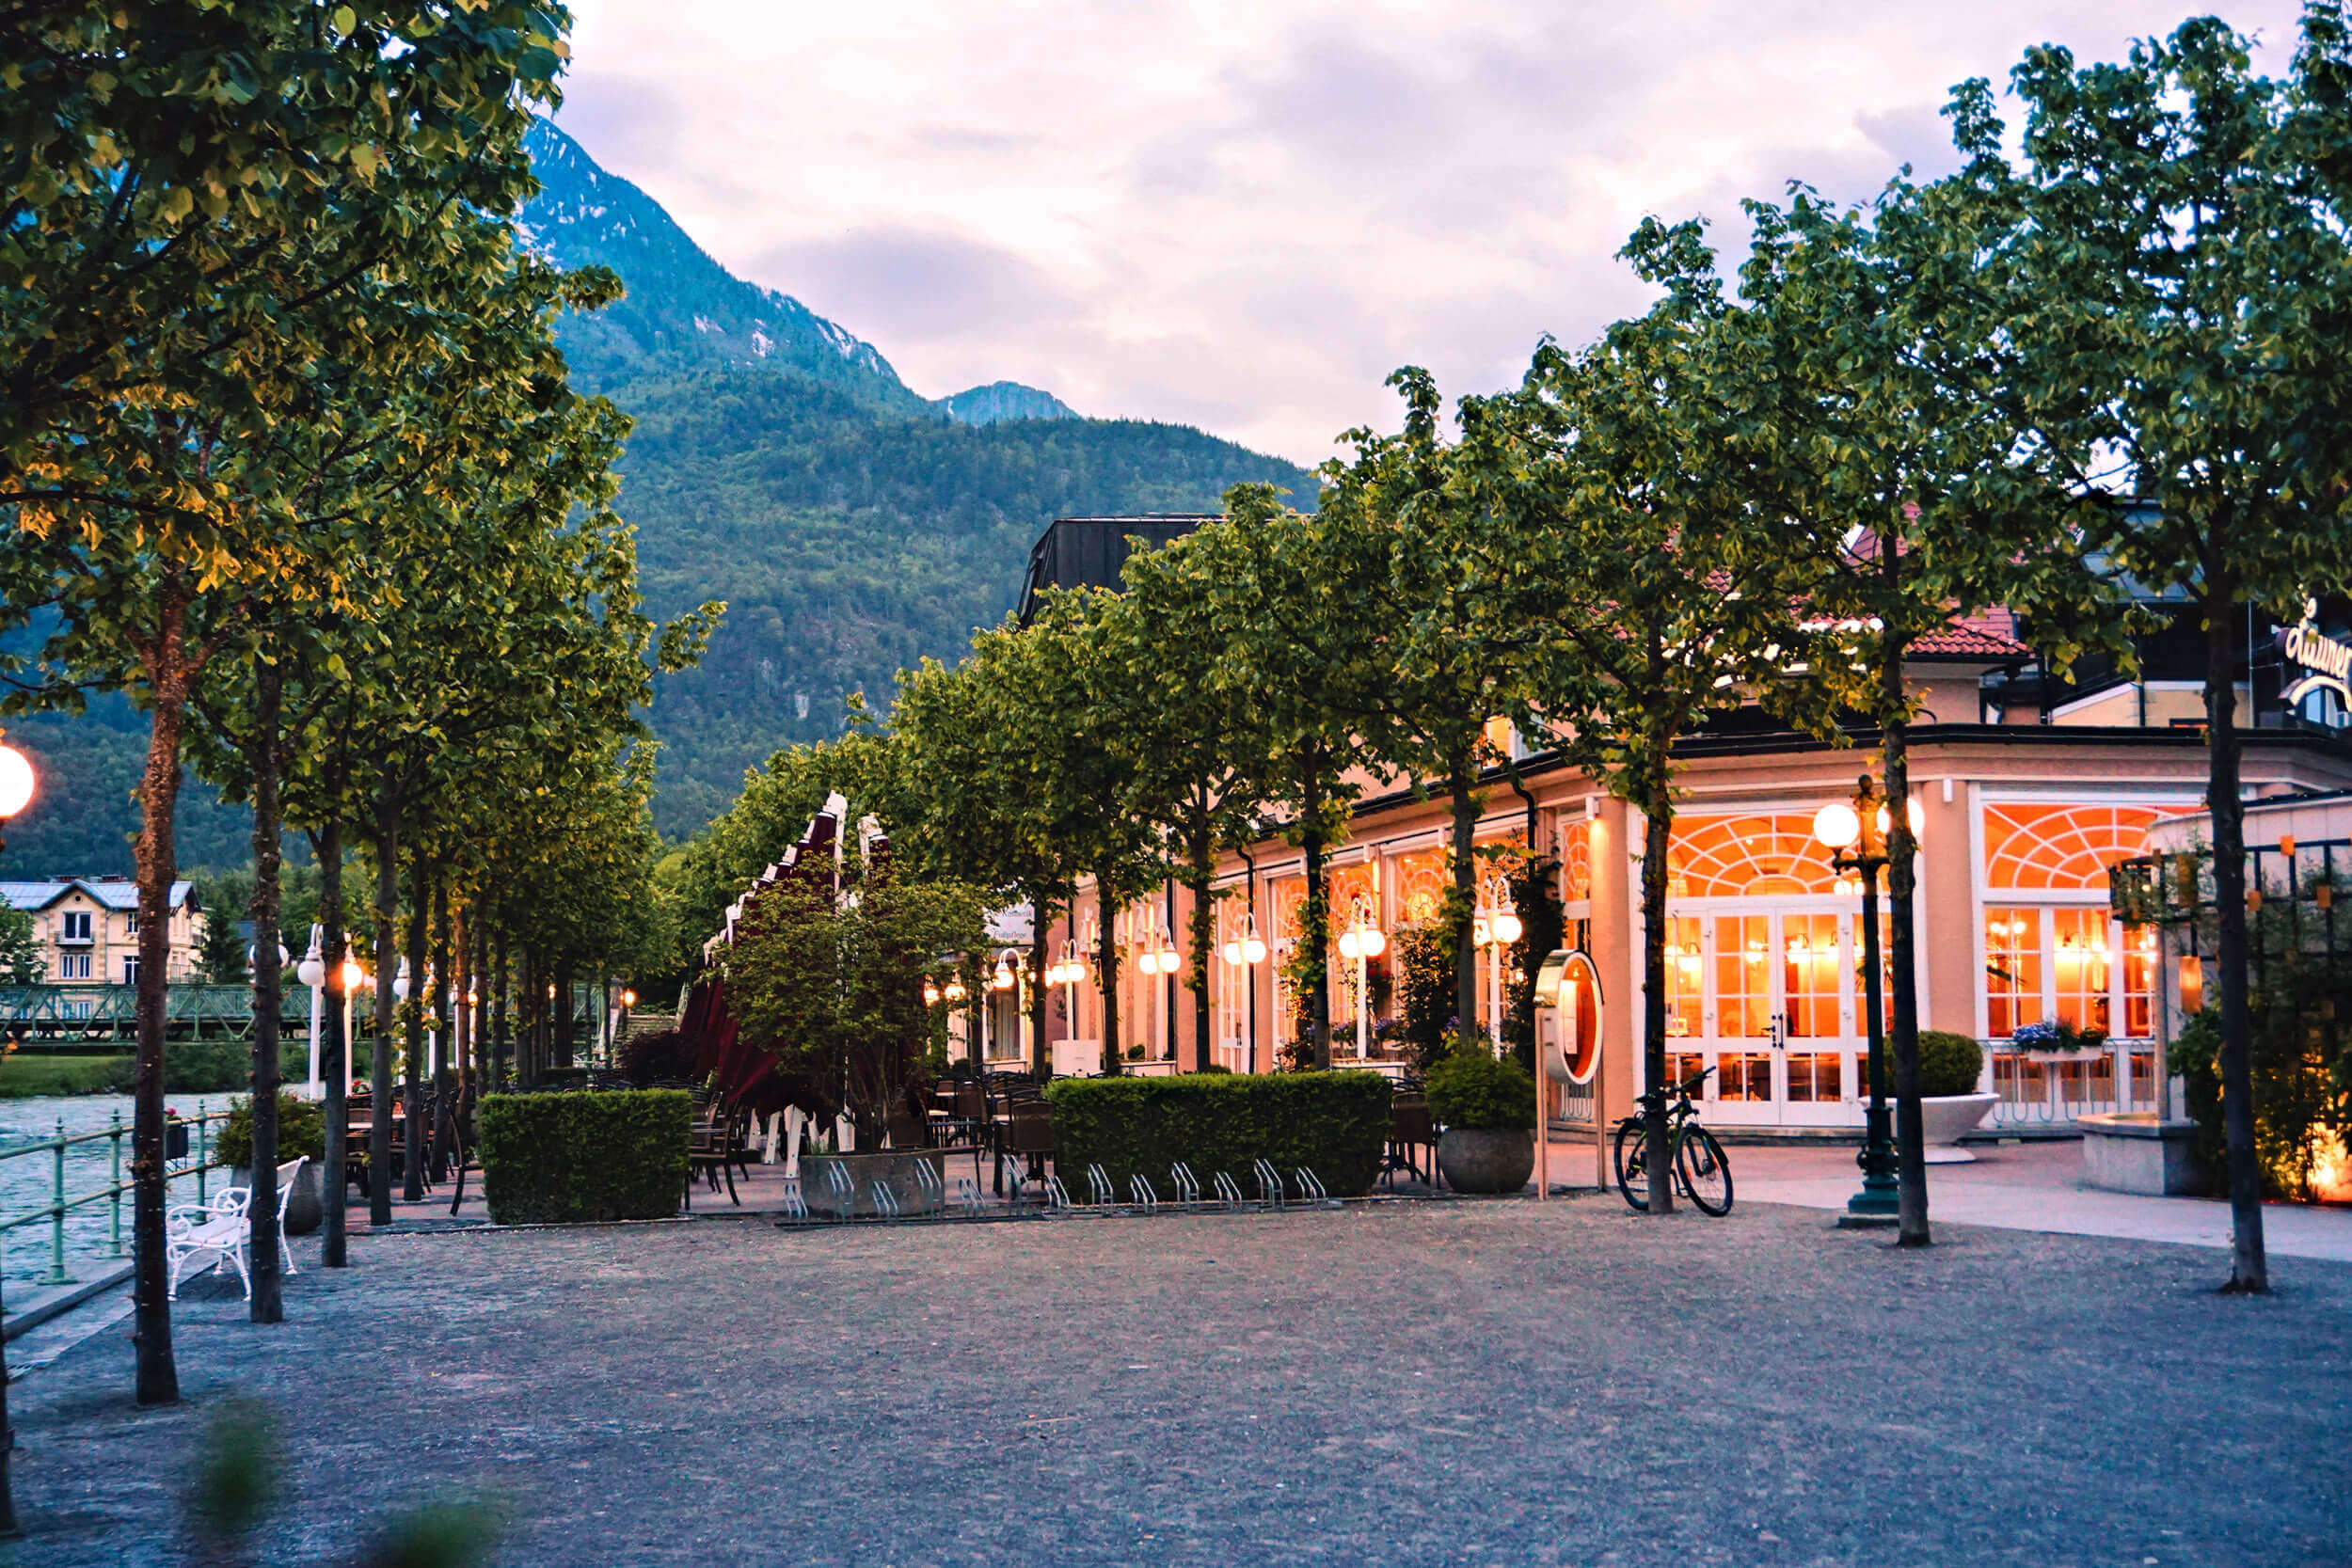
<point>1459,1383</point>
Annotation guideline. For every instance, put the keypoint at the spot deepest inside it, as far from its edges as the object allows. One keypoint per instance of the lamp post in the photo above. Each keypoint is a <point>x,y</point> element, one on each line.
<point>16,793</point>
<point>355,980</point>
<point>1855,835</point>
<point>312,973</point>
<point>1361,942</point>
<point>1067,973</point>
<point>1158,957</point>
<point>1496,928</point>
<point>1246,952</point>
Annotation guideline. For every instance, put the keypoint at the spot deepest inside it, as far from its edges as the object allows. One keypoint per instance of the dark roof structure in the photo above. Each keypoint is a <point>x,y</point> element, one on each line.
<point>1088,552</point>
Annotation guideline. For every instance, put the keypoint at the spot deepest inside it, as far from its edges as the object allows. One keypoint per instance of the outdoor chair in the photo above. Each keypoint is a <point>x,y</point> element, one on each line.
<point>215,1229</point>
<point>707,1154</point>
<point>1409,1128</point>
<point>1026,1132</point>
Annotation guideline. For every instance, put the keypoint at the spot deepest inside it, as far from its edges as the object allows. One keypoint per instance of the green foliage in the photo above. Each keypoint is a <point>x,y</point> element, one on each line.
<point>20,957</point>
<point>1543,930</point>
<point>572,1158</point>
<point>25,1075</point>
<point>216,1067</point>
<point>1948,1063</point>
<point>219,950</point>
<point>1336,1124</point>
<point>663,1054</point>
<point>301,1129</point>
<point>1425,962</point>
<point>238,1474</point>
<point>2302,1077</point>
<point>1474,1088</point>
<point>833,985</point>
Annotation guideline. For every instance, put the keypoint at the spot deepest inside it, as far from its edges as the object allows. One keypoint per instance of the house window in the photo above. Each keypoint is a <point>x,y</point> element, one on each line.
<point>134,923</point>
<point>2012,969</point>
<point>74,966</point>
<point>2082,968</point>
<point>77,927</point>
<point>131,972</point>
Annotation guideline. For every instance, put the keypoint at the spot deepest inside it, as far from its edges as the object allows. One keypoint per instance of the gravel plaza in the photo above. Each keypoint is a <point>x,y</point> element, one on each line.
<point>1464,1381</point>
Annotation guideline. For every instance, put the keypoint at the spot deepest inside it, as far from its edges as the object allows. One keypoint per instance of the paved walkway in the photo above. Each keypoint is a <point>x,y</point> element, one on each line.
<point>1473,1383</point>
<point>2038,1186</point>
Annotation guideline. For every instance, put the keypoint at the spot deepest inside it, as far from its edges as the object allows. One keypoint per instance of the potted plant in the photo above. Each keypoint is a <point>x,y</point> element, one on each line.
<point>301,1134</point>
<point>1486,1106</point>
<point>1950,1104</point>
<point>832,982</point>
<point>2055,1039</point>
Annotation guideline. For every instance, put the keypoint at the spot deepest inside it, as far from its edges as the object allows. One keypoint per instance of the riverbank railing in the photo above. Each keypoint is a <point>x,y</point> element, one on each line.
<point>191,1148</point>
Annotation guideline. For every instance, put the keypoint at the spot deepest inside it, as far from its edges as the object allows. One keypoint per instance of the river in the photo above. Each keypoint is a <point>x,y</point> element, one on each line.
<point>28,1181</point>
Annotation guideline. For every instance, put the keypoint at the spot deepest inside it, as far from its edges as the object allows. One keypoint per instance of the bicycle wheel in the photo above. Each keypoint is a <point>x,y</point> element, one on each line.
<point>1632,1168</point>
<point>1705,1170</point>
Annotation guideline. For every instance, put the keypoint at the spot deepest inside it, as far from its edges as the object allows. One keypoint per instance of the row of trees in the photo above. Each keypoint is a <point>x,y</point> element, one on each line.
<point>2067,384</point>
<point>291,459</point>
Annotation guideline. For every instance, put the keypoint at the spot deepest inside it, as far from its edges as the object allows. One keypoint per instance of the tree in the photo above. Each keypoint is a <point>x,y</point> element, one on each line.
<point>832,979</point>
<point>1665,590</point>
<point>2174,242</point>
<point>1868,377</point>
<point>20,947</point>
<point>175,278</point>
<point>220,951</point>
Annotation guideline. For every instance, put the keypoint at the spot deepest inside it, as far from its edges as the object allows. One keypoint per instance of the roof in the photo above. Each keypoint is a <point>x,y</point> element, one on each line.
<point>1088,552</point>
<point>1990,635</point>
<point>115,892</point>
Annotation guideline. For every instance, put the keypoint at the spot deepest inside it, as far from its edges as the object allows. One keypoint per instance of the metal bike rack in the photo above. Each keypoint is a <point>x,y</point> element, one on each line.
<point>1310,1189</point>
<point>1100,1192</point>
<point>1269,1182</point>
<point>844,1191</point>
<point>935,1192</point>
<point>1056,1196</point>
<point>885,1201</point>
<point>968,1195</point>
<point>795,1206</point>
<point>1188,1189</point>
<point>1139,1188</point>
<point>1228,1190</point>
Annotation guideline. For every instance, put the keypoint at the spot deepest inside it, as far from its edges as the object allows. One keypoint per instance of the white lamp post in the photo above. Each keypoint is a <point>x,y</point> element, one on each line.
<point>1498,926</point>
<point>1246,952</point>
<point>355,981</point>
<point>1361,942</point>
<point>314,973</point>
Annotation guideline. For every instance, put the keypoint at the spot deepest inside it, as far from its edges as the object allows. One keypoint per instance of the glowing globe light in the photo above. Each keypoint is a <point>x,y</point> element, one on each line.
<point>1836,824</point>
<point>16,780</point>
<point>1507,927</point>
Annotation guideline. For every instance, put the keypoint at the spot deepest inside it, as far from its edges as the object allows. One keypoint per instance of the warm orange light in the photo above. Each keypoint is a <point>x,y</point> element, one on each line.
<point>2192,983</point>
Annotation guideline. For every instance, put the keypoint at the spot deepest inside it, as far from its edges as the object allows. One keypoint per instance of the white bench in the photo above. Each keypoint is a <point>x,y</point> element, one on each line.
<point>220,1229</point>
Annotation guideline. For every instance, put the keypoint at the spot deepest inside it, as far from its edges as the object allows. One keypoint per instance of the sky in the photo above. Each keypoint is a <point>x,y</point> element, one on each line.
<point>1243,216</point>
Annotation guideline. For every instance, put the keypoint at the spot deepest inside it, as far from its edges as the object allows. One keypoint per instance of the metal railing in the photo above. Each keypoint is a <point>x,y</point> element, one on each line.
<point>203,1157</point>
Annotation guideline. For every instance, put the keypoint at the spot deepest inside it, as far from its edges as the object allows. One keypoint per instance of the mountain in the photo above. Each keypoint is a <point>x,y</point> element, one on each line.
<point>1004,400</point>
<point>778,463</point>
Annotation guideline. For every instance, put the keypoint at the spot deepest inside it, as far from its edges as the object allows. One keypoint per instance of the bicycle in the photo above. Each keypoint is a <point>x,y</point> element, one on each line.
<point>1701,1168</point>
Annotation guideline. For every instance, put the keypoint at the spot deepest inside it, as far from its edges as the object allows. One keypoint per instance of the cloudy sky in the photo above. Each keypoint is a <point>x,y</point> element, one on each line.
<point>1243,215</point>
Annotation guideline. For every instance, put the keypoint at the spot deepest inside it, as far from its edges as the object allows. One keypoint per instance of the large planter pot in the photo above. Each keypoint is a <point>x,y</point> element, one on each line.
<point>304,1208</point>
<point>1944,1118</point>
<point>1486,1159</point>
<point>894,1170</point>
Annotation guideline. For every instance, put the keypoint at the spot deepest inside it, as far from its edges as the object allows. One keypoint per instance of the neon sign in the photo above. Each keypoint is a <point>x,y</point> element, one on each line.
<point>2327,663</point>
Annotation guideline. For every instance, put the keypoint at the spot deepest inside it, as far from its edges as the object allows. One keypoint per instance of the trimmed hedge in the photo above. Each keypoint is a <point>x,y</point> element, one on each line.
<point>566,1158</point>
<point>1336,1124</point>
<point>1949,1064</point>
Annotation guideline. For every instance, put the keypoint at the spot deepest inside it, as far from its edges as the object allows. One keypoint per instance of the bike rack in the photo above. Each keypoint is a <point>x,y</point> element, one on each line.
<point>1269,1182</point>
<point>1309,1188</point>
<point>844,1192</point>
<point>1187,1190</point>
<point>934,1194</point>
<point>795,1206</point>
<point>1139,1188</point>
<point>968,1195</point>
<point>1100,1192</point>
<point>1229,1191</point>
<point>1056,1196</point>
<point>885,1201</point>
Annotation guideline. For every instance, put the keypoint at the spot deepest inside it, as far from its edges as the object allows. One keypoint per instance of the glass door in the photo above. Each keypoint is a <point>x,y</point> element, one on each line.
<point>1780,1016</point>
<point>1745,1036</point>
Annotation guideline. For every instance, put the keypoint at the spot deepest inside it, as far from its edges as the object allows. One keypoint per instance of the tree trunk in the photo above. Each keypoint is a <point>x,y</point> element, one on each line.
<point>499,1018</point>
<point>2249,1265</point>
<point>328,846</point>
<point>412,1034</point>
<point>527,983</point>
<point>267,1306</point>
<point>1041,1049</point>
<point>565,1010</point>
<point>1106,968</point>
<point>1911,1155</point>
<point>1657,839</point>
<point>158,1376</point>
<point>462,1028</point>
<point>1315,921</point>
<point>445,1030</point>
<point>380,1062</point>
<point>1465,804</point>
<point>1202,885</point>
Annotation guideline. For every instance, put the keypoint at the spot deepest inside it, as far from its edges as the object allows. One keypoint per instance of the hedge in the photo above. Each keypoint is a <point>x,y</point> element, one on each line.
<point>1336,1124</point>
<point>564,1158</point>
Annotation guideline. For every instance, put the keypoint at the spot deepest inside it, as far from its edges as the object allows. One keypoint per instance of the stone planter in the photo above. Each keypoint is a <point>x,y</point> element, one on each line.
<point>894,1169</point>
<point>305,1211</point>
<point>1486,1159</point>
<point>2138,1153</point>
<point>1945,1116</point>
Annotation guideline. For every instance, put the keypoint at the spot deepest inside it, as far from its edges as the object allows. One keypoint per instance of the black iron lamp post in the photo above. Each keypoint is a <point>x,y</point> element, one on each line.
<point>1855,835</point>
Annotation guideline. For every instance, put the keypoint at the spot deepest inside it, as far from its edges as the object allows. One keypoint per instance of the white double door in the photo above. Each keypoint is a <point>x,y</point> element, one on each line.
<point>1768,994</point>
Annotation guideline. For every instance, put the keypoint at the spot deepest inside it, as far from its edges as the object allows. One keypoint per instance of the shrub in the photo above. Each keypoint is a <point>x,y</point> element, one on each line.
<point>660,1054</point>
<point>2300,1069</point>
<point>1948,1063</point>
<point>216,1067</point>
<point>1473,1088</point>
<point>1336,1124</point>
<point>300,1129</point>
<point>566,1158</point>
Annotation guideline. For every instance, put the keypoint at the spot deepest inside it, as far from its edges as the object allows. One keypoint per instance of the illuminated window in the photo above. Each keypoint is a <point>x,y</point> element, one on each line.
<point>2012,969</point>
<point>1743,977</point>
<point>1809,983</point>
<point>1686,983</point>
<point>2141,960</point>
<point>2081,966</point>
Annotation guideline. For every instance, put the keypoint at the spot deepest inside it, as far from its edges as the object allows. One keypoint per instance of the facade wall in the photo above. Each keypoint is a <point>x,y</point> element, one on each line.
<point>2010,915</point>
<point>84,940</point>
